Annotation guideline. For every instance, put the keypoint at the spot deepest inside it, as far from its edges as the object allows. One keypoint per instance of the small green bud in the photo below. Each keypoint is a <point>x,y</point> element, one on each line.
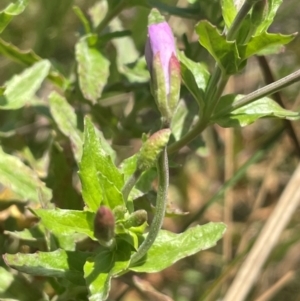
<point>151,149</point>
<point>119,212</point>
<point>136,219</point>
<point>104,226</point>
<point>155,17</point>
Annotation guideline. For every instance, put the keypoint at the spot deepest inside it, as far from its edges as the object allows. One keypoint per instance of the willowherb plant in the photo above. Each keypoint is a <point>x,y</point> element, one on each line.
<point>111,235</point>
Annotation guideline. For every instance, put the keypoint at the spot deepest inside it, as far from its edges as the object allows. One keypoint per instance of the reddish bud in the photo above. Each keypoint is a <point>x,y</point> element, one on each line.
<point>104,226</point>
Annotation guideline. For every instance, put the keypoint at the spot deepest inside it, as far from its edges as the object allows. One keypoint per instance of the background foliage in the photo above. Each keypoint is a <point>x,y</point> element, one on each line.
<point>41,135</point>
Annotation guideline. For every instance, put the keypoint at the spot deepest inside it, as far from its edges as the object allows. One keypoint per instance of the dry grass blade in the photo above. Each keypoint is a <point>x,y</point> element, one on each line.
<point>266,241</point>
<point>149,291</point>
<point>277,287</point>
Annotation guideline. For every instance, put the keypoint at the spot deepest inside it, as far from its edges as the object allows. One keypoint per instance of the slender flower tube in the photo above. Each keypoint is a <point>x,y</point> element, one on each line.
<point>164,67</point>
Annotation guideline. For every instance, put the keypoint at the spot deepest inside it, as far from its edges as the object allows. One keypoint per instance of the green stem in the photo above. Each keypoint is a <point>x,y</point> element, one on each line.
<point>161,202</point>
<point>269,79</point>
<point>265,91</point>
<point>238,21</point>
<point>202,123</point>
<point>83,19</point>
<point>215,86</point>
<point>188,137</point>
<point>111,14</point>
<point>130,184</point>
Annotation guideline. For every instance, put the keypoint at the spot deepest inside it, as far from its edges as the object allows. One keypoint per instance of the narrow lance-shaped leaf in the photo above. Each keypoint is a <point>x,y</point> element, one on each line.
<point>265,43</point>
<point>169,247</point>
<point>184,117</point>
<point>97,172</point>
<point>23,181</point>
<point>128,166</point>
<point>273,6</point>
<point>20,90</point>
<point>10,11</point>
<point>224,52</point>
<point>229,12</point>
<point>97,275</point>
<point>29,57</point>
<point>112,196</point>
<point>264,107</point>
<point>195,77</point>
<point>93,69</point>
<point>67,222</point>
<point>66,120</point>
<point>99,269</point>
<point>60,263</point>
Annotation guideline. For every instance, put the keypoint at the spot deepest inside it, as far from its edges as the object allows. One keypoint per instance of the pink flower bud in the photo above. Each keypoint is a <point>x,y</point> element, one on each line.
<point>160,40</point>
<point>163,64</point>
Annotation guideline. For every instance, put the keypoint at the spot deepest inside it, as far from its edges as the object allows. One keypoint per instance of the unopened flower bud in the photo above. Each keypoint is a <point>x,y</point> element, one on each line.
<point>164,67</point>
<point>119,212</point>
<point>151,149</point>
<point>136,219</point>
<point>104,226</point>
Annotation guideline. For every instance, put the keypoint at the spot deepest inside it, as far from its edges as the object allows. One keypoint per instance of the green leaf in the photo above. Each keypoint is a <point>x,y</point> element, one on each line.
<point>67,222</point>
<point>111,195</point>
<point>170,247</point>
<point>105,145</point>
<point>93,69</point>
<point>21,88</point>
<point>61,177</point>
<point>36,233</point>
<point>84,21</point>
<point>10,11</point>
<point>128,166</point>
<point>124,57</point>
<point>66,120</point>
<point>60,263</point>
<point>99,269</point>
<point>272,9</point>
<point>184,117</point>
<point>23,181</point>
<point>97,274</point>
<point>229,12</point>
<point>29,57</point>
<point>16,287</point>
<point>265,43</point>
<point>98,11</point>
<point>195,77</point>
<point>264,107</point>
<point>94,167</point>
<point>25,57</point>
<point>224,52</point>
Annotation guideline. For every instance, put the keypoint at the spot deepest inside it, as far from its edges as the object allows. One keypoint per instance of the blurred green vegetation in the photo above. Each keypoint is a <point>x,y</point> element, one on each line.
<point>126,110</point>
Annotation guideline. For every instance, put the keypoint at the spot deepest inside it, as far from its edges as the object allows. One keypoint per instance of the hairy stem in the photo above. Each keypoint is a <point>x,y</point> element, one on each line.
<point>161,202</point>
<point>265,91</point>
<point>238,21</point>
<point>130,184</point>
<point>269,79</point>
